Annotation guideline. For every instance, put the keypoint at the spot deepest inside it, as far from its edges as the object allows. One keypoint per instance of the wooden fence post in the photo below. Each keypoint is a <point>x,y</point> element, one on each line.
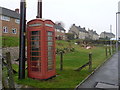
<point>109,50</point>
<point>10,71</point>
<point>61,60</point>
<point>4,43</point>
<point>90,61</point>
<point>112,49</point>
<point>106,52</point>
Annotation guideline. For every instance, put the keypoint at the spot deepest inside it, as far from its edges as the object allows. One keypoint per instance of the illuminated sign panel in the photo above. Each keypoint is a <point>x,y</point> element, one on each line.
<point>33,25</point>
<point>49,25</point>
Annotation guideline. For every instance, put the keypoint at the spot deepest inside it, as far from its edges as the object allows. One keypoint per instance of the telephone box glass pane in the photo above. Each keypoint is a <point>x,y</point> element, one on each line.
<point>35,38</point>
<point>35,48</point>
<point>50,38</point>
<point>35,58</point>
<point>50,33</point>
<point>50,54</point>
<point>35,45</point>
<point>35,69</point>
<point>50,63</point>
<point>35,53</point>
<point>50,67</point>
<point>50,58</point>
<point>35,32</point>
<point>50,43</point>
<point>50,48</point>
<point>35,64</point>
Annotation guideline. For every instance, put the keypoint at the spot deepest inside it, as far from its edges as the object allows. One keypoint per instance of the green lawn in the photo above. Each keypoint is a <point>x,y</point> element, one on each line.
<point>68,78</point>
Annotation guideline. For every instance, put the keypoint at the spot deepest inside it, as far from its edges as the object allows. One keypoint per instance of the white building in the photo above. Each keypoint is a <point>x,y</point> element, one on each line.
<point>79,33</point>
<point>107,35</point>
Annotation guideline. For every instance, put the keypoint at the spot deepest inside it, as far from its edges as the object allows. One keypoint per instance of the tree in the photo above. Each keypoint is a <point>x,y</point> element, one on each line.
<point>60,23</point>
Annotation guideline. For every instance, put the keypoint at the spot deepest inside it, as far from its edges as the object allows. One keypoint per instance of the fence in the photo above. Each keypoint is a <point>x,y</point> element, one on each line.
<point>88,63</point>
<point>7,77</point>
<point>109,50</point>
<point>80,68</point>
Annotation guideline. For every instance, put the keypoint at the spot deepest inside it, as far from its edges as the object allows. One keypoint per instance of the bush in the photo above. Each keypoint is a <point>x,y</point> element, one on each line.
<point>64,50</point>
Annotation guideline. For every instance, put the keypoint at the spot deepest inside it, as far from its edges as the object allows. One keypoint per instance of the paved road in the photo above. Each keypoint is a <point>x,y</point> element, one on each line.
<point>106,74</point>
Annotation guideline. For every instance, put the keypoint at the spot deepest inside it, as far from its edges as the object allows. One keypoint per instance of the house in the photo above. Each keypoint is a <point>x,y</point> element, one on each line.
<point>107,35</point>
<point>59,32</point>
<point>10,21</point>
<point>79,33</point>
<point>93,35</point>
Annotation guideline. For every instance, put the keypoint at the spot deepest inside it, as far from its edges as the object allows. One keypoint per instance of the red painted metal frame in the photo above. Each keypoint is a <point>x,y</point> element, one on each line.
<point>43,27</point>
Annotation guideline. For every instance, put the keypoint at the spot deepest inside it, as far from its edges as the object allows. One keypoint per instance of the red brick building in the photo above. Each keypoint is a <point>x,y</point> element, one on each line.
<point>9,20</point>
<point>59,32</point>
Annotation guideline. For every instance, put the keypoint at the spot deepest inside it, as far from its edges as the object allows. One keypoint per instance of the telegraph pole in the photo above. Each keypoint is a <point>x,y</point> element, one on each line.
<point>22,39</point>
<point>111,40</point>
<point>39,10</point>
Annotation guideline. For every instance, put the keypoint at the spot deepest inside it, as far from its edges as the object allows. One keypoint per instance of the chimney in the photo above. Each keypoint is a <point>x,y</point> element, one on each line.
<point>73,24</point>
<point>17,10</point>
<point>84,28</point>
<point>39,9</point>
<point>59,24</point>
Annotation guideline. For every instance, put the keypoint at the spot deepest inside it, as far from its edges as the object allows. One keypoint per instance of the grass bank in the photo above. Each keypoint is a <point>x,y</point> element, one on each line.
<point>9,41</point>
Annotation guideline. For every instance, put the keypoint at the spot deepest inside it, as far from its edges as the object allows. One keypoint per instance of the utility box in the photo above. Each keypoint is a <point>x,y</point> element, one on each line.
<point>41,49</point>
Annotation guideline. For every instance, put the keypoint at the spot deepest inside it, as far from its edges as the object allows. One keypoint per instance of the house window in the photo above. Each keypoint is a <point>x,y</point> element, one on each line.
<point>57,30</point>
<point>5,30</point>
<point>5,18</point>
<point>17,21</point>
<point>62,31</point>
<point>14,31</point>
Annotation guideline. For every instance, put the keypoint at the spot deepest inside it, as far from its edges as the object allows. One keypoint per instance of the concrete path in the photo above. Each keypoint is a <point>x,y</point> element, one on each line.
<point>0,68</point>
<point>105,77</point>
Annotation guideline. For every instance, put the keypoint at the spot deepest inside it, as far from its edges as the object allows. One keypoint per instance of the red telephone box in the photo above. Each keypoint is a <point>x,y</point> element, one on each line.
<point>41,49</point>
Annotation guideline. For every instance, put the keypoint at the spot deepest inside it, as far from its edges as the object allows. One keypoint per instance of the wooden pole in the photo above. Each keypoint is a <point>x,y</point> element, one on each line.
<point>90,61</point>
<point>106,52</point>
<point>110,50</point>
<point>10,71</point>
<point>4,42</point>
<point>61,60</point>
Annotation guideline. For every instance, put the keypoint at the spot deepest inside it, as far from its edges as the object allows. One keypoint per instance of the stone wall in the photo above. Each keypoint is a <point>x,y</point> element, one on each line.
<point>14,51</point>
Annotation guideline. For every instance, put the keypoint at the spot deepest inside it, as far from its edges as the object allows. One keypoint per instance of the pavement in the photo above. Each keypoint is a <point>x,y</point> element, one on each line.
<point>0,68</point>
<point>104,77</point>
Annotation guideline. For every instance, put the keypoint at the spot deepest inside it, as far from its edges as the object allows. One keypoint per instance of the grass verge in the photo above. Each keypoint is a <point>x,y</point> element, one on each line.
<point>68,78</point>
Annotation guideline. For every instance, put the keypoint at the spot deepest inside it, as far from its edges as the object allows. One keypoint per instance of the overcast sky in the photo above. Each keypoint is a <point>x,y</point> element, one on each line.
<point>93,14</point>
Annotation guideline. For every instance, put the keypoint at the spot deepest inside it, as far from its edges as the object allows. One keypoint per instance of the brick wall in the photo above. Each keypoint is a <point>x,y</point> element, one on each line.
<point>61,34</point>
<point>10,24</point>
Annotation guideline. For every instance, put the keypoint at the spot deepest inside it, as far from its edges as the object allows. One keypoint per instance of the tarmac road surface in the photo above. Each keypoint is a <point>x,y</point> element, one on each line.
<point>105,77</point>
